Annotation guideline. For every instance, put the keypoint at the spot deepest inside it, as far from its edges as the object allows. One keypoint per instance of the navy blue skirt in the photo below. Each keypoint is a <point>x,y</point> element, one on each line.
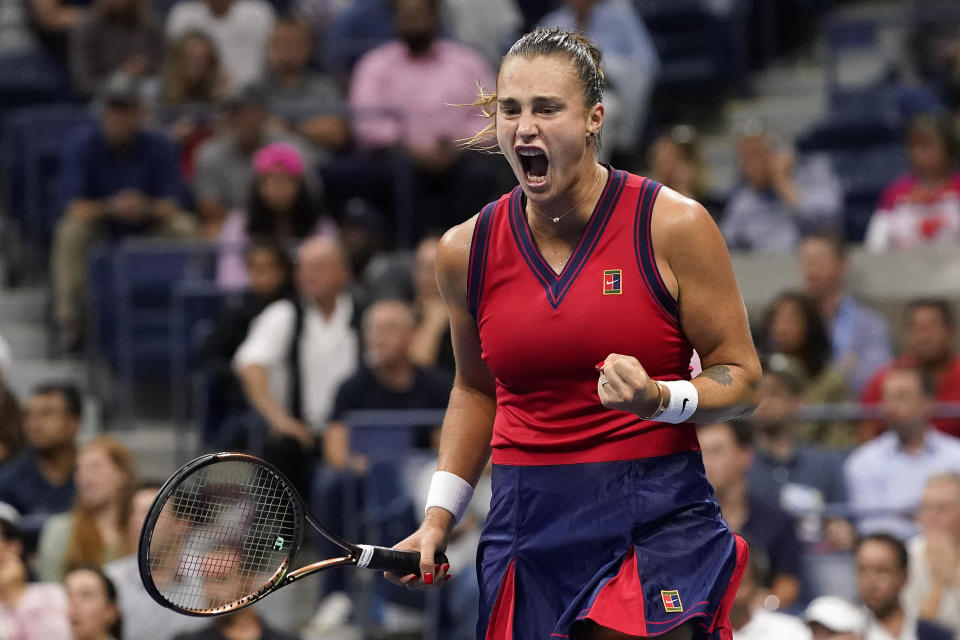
<point>638,546</point>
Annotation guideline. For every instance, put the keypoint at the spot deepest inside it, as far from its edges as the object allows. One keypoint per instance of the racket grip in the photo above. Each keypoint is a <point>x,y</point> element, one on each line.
<point>393,560</point>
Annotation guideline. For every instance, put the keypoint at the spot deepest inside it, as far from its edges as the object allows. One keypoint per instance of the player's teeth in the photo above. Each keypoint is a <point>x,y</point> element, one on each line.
<point>530,152</point>
<point>535,179</point>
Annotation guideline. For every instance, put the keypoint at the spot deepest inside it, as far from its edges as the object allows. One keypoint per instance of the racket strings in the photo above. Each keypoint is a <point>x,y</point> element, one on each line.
<point>222,535</point>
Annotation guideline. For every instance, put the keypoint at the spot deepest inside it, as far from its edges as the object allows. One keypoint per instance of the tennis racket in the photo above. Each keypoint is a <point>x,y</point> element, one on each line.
<point>224,532</point>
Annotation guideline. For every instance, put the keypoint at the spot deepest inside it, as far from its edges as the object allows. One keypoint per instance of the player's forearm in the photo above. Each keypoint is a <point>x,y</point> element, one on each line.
<point>725,392</point>
<point>467,428</point>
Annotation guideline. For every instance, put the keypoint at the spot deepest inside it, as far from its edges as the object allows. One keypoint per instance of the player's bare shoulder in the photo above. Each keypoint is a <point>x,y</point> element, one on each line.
<point>453,260</point>
<point>681,224</point>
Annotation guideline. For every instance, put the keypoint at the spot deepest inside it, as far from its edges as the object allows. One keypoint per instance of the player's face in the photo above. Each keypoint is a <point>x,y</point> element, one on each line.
<point>879,577</point>
<point>542,124</point>
<point>89,609</point>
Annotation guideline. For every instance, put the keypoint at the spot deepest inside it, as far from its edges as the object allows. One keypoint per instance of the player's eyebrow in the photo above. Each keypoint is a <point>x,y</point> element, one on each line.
<point>537,100</point>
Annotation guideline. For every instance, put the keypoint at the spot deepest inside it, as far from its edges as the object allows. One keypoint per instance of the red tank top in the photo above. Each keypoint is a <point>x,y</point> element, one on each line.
<point>542,333</point>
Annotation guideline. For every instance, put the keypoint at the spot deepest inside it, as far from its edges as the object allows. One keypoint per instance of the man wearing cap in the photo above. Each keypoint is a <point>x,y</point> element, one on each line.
<point>833,618</point>
<point>117,179</point>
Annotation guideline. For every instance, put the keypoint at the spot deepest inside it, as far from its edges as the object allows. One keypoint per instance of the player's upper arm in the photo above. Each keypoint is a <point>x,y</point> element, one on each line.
<point>453,258</point>
<point>712,313</point>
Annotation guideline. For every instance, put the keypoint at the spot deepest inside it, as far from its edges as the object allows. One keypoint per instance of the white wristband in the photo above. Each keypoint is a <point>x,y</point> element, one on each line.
<point>449,491</point>
<point>683,402</point>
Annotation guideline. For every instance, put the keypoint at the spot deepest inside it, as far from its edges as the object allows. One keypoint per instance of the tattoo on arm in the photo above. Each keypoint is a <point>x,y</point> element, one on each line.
<point>720,374</point>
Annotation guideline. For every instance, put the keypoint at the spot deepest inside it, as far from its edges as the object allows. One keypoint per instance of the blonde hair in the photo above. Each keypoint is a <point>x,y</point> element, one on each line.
<point>86,546</point>
<point>173,90</point>
<point>549,41</point>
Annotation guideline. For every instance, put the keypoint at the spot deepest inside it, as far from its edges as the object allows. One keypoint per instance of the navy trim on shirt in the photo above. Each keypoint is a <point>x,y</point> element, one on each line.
<point>478,258</point>
<point>643,244</point>
<point>556,286</point>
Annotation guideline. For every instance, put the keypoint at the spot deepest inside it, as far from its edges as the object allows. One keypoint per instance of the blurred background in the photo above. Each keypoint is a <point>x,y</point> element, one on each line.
<point>218,230</point>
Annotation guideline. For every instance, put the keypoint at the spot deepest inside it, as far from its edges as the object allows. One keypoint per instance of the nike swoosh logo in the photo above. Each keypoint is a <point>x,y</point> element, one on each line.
<point>683,407</point>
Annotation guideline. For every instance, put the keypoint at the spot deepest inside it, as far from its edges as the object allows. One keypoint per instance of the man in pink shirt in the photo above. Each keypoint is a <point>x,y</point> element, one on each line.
<point>404,95</point>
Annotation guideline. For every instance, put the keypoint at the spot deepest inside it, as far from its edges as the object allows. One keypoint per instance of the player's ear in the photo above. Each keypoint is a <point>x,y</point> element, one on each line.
<point>595,119</point>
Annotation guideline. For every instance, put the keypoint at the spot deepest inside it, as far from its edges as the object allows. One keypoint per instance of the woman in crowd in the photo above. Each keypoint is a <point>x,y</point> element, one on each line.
<point>922,208</point>
<point>281,210</point>
<point>95,531</point>
<point>92,605</point>
<point>793,326</point>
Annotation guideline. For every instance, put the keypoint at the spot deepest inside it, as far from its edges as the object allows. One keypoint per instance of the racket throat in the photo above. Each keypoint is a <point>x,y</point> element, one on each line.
<point>319,566</point>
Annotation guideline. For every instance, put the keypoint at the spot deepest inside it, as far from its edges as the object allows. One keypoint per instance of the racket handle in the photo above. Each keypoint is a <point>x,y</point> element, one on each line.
<point>393,560</point>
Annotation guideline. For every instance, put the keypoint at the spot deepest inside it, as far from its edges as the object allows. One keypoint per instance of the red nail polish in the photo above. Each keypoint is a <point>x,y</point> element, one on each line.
<point>446,568</point>
<point>436,568</point>
<point>428,578</point>
<point>599,366</point>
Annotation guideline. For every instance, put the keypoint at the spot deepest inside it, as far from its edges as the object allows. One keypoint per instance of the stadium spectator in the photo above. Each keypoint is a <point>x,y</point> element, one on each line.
<point>630,64</point>
<point>922,208</point>
<point>239,28</point>
<point>281,210</point>
<point>727,455</point>
<point>95,531</point>
<point>782,197</point>
<point>225,162</point>
<point>117,179</point>
<point>16,31</point>
<point>39,482</point>
<point>297,354</point>
<point>885,477</point>
<point>358,28</point>
<point>676,162</point>
<point>793,326</point>
<point>424,124</point>
<point>245,623</point>
<point>189,88</point>
<point>833,618</point>
<point>881,577</point>
<point>928,345</point>
<point>301,99</point>
<point>143,618</point>
<point>799,478</point>
<point>11,424</point>
<point>52,21</point>
<point>431,346</point>
<point>858,335</point>
<point>92,605</point>
<point>933,586</point>
<point>388,379</point>
<point>749,618</point>
<point>28,610</point>
<point>489,27</point>
<point>115,36</point>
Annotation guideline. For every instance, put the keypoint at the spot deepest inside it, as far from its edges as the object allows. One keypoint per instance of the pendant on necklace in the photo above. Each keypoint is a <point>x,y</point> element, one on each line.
<point>556,219</point>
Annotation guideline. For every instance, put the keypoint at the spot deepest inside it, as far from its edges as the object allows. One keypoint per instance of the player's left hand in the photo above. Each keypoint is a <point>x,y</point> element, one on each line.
<point>624,385</point>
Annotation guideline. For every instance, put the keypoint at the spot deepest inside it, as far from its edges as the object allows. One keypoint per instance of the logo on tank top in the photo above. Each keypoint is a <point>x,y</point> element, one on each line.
<point>612,282</point>
<point>671,601</point>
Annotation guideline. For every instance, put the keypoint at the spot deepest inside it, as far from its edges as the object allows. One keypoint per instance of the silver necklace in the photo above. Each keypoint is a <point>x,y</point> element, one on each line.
<point>556,219</point>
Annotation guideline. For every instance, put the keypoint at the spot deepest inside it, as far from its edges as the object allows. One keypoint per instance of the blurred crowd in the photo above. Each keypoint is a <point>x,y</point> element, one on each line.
<point>273,131</point>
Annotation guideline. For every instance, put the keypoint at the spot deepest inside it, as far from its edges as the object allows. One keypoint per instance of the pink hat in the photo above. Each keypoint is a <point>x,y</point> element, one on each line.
<point>278,156</point>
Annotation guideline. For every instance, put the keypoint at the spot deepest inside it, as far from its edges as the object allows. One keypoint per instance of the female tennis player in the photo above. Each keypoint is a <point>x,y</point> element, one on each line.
<point>602,524</point>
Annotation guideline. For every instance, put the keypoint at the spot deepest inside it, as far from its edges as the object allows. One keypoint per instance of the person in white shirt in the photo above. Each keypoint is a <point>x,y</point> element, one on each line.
<point>885,477</point>
<point>749,618</point>
<point>881,577</point>
<point>933,585</point>
<point>321,320</point>
<point>239,28</point>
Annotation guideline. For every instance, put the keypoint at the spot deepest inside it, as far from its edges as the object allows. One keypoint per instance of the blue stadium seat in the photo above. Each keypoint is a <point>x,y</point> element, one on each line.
<point>143,276</point>
<point>32,145</point>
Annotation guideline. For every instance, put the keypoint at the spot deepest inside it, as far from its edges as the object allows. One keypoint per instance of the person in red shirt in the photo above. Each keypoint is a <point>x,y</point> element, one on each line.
<point>928,344</point>
<point>602,524</point>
